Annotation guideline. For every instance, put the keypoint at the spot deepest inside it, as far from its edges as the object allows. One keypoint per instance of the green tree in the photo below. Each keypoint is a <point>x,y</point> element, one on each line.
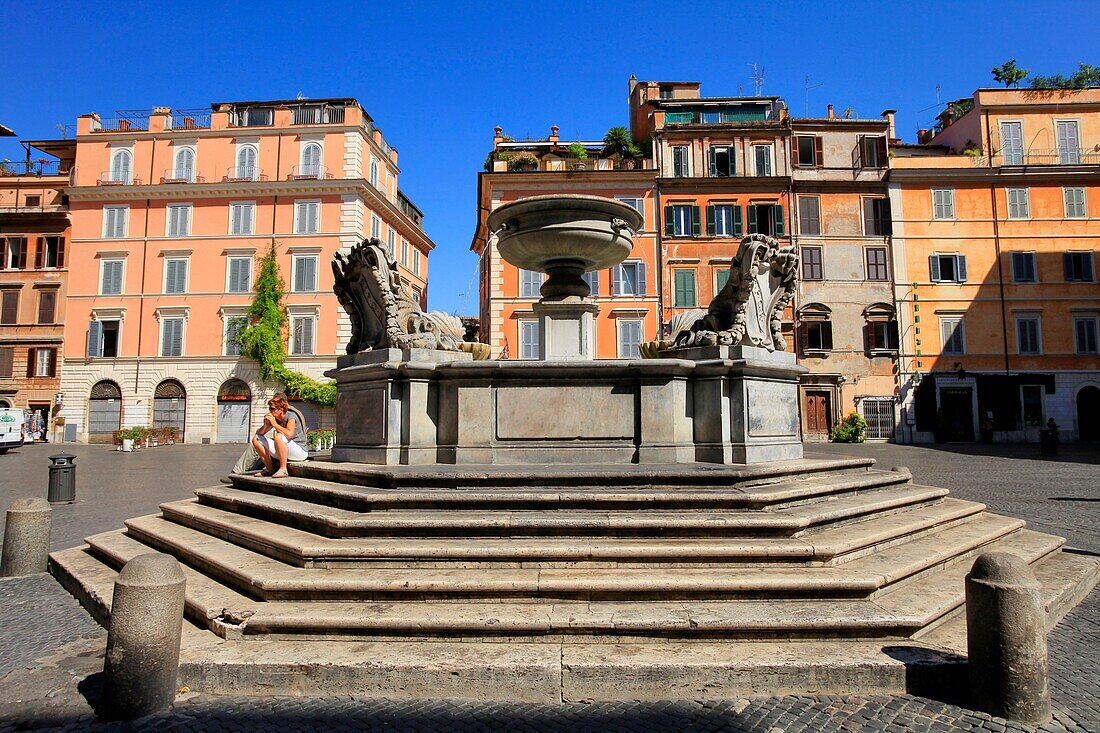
<point>1086,76</point>
<point>1008,74</point>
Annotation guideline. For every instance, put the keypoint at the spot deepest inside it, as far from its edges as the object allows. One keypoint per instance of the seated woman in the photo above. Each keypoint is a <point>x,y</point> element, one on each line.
<point>281,437</point>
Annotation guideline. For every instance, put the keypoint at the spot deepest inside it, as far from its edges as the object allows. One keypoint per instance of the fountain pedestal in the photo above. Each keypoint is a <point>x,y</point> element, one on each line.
<point>567,329</point>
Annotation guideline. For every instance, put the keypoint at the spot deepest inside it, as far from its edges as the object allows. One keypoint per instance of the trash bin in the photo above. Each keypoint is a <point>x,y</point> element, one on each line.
<point>62,479</point>
<point>1048,442</point>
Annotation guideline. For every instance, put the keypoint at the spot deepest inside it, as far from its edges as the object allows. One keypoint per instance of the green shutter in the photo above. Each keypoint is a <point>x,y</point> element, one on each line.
<point>710,220</point>
<point>738,223</point>
<point>779,223</point>
<point>685,289</point>
<point>695,221</point>
<point>669,221</point>
<point>752,219</point>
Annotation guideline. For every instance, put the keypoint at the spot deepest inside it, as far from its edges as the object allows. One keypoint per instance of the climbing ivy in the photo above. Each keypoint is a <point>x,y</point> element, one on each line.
<point>262,340</point>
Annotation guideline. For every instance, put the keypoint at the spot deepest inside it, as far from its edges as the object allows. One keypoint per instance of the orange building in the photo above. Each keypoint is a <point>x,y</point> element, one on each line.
<point>996,225</point>
<point>171,212</point>
<point>35,243</point>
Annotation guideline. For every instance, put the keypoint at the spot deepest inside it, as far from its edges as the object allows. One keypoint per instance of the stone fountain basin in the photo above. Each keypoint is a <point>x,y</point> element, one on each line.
<point>537,232</point>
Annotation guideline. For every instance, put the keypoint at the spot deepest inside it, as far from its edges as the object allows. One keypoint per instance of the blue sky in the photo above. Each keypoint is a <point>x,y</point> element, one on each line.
<point>437,77</point>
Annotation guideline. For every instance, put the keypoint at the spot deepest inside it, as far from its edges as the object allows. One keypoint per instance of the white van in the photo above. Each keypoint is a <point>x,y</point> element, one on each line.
<point>12,427</point>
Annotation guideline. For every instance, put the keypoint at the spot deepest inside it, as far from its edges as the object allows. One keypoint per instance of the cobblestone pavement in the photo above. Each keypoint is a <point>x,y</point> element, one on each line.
<point>51,652</point>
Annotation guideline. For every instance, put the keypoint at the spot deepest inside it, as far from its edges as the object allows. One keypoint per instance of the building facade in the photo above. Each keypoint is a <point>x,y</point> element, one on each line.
<point>172,212</point>
<point>995,236</point>
<point>36,249</point>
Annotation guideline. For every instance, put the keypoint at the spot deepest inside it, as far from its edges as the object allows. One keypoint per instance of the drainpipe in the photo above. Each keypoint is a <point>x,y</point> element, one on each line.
<point>997,245</point>
<point>144,257</point>
<point>659,226</point>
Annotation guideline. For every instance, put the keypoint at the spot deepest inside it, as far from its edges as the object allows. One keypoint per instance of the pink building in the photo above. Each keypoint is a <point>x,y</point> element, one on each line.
<point>171,213</point>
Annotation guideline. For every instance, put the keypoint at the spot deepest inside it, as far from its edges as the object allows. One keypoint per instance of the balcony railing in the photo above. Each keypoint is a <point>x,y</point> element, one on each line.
<point>309,171</point>
<point>181,175</point>
<point>189,120</point>
<point>117,178</point>
<point>243,173</point>
<point>318,115</point>
<point>1044,157</point>
<point>31,168</point>
<point>120,124</point>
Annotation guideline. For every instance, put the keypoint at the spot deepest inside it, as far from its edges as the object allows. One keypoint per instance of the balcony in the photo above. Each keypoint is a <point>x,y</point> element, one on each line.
<point>181,175</point>
<point>239,173</point>
<point>121,124</point>
<point>1043,157</point>
<point>32,168</point>
<point>318,115</point>
<point>117,178</point>
<point>188,119</point>
<point>309,172</point>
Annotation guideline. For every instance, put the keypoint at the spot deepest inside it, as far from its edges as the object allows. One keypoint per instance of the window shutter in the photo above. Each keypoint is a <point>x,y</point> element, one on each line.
<point>868,217</point>
<point>857,153</point>
<point>711,231</point>
<point>7,355</point>
<point>827,335</point>
<point>32,359</point>
<point>616,280</point>
<point>641,278</point>
<point>738,224</point>
<point>960,268</point>
<point>177,338</point>
<point>752,219</point>
<point>116,277</point>
<point>95,338</point>
<point>53,364</point>
<point>22,253</point>
<point>314,217</point>
<point>236,214</point>
<point>695,221</point>
<point>794,152</point>
<point>46,306</point>
<point>39,252</point>
<point>60,251</point>
<point>819,153</point>
<point>934,268</point>
<point>780,224</point>
<point>670,222</point>
<point>10,310</point>
<point>711,165</point>
<point>1086,267</point>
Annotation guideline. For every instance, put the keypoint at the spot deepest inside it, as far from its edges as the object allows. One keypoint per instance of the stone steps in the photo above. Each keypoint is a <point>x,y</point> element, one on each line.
<point>306,548</point>
<point>784,521</point>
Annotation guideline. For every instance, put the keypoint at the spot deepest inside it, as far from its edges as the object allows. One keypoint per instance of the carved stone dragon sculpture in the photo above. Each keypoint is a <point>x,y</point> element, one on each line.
<point>749,309</point>
<point>384,314</point>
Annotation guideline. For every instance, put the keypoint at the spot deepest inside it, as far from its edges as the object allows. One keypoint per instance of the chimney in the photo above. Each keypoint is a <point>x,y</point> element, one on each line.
<point>498,135</point>
<point>554,133</point>
<point>923,136</point>
<point>831,114</point>
<point>632,83</point>
<point>889,115</point>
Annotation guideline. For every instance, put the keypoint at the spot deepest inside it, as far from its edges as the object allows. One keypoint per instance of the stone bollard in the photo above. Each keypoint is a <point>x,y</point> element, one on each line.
<point>1006,639</point>
<point>143,641</point>
<point>26,538</point>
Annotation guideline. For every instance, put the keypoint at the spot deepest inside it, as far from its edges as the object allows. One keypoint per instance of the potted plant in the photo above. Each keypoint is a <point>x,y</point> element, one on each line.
<point>171,434</point>
<point>126,438</point>
<point>579,152</point>
<point>523,161</point>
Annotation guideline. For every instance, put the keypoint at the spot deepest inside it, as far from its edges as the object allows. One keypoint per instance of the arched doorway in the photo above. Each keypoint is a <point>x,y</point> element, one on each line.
<point>104,412</point>
<point>170,407</point>
<point>234,411</point>
<point>5,405</point>
<point>1088,414</point>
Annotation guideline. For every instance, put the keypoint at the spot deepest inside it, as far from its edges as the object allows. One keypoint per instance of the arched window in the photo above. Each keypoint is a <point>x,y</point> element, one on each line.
<point>104,411</point>
<point>170,406</point>
<point>122,166</point>
<point>246,163</point>
<point>881,330</point>
<point>234,411</point>
<point>815,328</point>
<point>311,160</point>
<point>185,164</point>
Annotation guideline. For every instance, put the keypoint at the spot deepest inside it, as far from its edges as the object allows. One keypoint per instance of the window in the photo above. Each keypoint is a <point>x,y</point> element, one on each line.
<point>721,161</point>
<point>51,252</point>
<point>42,362</point>
<point>255,117</point>
<point>9,310</point>
<point>1069,142</point>
<point>175,275</point>
<point>1019,204</point>
<point>724,220</point>
<point>636,203</point>
<point>1023,267</point>
<point>246,164</point>
<point>721,277</point>
<point>1012,143</point>
<point>305,273</point>
<point>171,337</point>
<point>952,336</point>
<point>529,283</point>
<point>1027,335</point>
<point>1077,266</point>
<point>766,219</point>
<point>811,264</point>
<point>32,201</point>
<point>871,152</point>
<point>528,339</point>
<point>47,305</point>
<point>185,166</point>
<point>374,172</point>
<point>681,161</point>
<point>593,280</point>
<point>947,268</point>
<point>103,339</point>
<point>630,339</point>
<point>404,245</point>
<point>416,261</point>
<point>301,334</point>
<point>762,154</point>
<point>234,325</point>
<point>628,278</point>
<point>7,361</point>
<point>391,244</point>
<point>943,203</point>
<point>876,263</point>
<point>178,220</point>
<point>15,253</point>
<point>1031,395</point>
<point>681,220</point>
<point>122,165</point>
<point>114,221</point>
<point>405,252</point>
<point>242,217</point>
<point>375,227</point>
<point>1074,199</point>
<point>311,161</point>
<point>808,151</point>
<point>809,215</point>
<point>665,92</point>
<point>1084,331</point>
<point>110,277</point>
<point>815,327</point>
<point>882,335</point>
<point>307,217</point>
<point>684,287</point>
<point>876,217</point>
<point>239,275</point>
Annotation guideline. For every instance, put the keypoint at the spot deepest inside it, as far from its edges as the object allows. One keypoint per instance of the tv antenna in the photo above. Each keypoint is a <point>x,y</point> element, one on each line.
<point>63,130</point>
<point>810,86</point>
<point>758,78</point>
<point>937,104</point>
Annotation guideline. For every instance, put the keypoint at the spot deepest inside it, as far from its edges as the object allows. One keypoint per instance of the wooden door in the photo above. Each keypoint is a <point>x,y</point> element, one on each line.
<point>816,411</point>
